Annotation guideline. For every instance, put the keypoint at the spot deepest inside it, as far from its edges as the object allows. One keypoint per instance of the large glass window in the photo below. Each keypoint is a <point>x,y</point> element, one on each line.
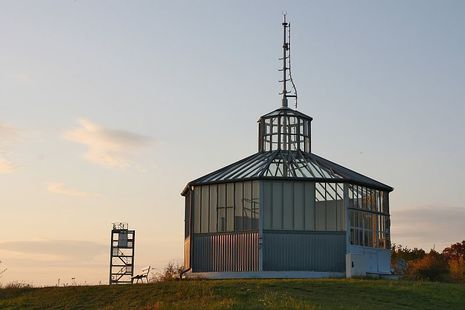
<point>222,220</point>
<point>369,217</point>
<point>329,202</point>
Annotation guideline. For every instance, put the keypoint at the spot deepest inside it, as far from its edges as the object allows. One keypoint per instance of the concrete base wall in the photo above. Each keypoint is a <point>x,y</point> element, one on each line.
<point>266,275</point>
<point>361,261</point>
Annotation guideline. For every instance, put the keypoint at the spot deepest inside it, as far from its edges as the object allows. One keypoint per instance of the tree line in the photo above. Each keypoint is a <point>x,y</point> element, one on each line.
<point>417,264</point>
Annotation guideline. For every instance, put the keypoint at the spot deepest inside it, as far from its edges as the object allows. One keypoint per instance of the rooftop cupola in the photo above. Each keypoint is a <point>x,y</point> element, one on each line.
<point>285,129</point>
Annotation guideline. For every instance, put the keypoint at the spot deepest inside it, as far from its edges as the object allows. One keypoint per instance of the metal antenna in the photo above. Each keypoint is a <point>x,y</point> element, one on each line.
<point>287,65</point>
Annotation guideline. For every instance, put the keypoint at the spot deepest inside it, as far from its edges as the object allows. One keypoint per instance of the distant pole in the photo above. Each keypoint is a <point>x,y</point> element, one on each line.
<point>286,69</point>
<point>285,56</point>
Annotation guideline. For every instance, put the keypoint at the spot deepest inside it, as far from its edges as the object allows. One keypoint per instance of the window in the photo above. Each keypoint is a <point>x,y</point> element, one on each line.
<point>222,208</point>
<point>369,220</point>
<point>285,132</point>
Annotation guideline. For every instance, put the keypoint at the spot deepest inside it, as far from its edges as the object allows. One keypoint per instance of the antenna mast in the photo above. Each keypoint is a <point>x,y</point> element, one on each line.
<point>287,75</point>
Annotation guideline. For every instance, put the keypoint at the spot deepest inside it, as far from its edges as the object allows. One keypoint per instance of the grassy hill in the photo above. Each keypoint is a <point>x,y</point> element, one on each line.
<point>243,294</point>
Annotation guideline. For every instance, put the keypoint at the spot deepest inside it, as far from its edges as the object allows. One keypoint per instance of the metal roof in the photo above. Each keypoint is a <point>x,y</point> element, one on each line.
<point>291,165</point>
<point>286,111</point>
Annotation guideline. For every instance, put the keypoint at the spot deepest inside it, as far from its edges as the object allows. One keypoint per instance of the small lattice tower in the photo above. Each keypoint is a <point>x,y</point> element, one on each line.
<point>122,254</point>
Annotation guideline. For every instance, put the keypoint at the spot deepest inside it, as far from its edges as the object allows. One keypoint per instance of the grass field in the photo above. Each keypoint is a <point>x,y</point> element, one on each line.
<point>243,294</point>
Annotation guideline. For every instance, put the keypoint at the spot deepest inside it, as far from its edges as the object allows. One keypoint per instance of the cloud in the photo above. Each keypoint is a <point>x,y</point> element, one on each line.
<point>8,135</point>
<point>55,250</point>
<point>428,226</point>
<point>7,132</point>
<point>60,188</point>
<point>6,166</point>
<point>107,147</point>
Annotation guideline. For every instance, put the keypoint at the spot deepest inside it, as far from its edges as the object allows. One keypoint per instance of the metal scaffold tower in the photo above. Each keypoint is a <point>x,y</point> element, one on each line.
<point>122,254</point>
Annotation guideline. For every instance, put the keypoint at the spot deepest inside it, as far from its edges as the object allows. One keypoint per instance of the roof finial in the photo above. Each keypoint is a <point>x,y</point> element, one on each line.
<point>287,76</point>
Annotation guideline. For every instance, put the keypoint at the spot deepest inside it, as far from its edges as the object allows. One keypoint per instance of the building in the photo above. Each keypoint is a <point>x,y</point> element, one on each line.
<point>285,211</point>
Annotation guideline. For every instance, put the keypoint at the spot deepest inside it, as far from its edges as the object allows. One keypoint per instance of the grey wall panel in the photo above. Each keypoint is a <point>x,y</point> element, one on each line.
<point>225,252</point>
<point>304,251</point>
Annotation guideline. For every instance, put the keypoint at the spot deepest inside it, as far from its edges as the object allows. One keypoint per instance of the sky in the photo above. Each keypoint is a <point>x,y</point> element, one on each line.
<point>108,109</point>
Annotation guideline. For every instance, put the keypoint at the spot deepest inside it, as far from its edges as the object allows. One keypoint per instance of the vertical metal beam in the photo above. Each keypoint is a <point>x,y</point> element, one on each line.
<point>191,227</point>
<point>111,258</point>
<point>260,225</point>
<point>285,49</point>
<point>347,214</point>
<point>133,254</point>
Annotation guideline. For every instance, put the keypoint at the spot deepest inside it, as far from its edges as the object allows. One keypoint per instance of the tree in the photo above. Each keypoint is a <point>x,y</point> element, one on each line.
<point>433,267</point>
<point>401,257</point>
<point>455,256</point>
<point>455,251</point>
<point>2,269</point>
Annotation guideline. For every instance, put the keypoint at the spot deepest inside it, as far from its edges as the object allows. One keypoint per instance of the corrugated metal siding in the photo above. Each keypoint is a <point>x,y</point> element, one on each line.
<point>225,252</point>
<point>187,244</point>
<point>312,251</point>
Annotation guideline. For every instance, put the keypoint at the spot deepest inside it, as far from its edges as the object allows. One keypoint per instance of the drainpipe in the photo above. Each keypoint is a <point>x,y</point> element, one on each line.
<point>191,232</point>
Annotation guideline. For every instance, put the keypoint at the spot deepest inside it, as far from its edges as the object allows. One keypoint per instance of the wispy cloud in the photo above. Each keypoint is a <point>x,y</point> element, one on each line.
<point>428,226</point>
<point>8,135</point>
<point>107,147</point>
<point>62,189</point>
<point>6,166</point>
<point>56,249</point>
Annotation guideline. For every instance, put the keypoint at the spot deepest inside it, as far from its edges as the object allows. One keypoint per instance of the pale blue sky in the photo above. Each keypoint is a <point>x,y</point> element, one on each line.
<point>108,108</point>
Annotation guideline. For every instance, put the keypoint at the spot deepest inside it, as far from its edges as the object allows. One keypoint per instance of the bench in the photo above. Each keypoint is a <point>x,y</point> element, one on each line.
<point>143,275</point>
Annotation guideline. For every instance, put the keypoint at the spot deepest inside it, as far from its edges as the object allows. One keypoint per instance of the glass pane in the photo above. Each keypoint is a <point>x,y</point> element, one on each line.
<point>238,204</point>
<point>205,210</point>
<point>213,207</point>
<point>197,206</point>
<point>255,204</point>
<point>230,206</point>
<point>247,206</point>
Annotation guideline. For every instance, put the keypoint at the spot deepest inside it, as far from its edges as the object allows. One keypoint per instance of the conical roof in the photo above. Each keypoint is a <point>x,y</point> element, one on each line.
<point>289,165</point>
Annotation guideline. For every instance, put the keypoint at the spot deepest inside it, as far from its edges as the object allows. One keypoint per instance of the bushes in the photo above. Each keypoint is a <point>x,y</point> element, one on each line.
<point>433,267</point>
<point>457,269</point>
<point>402,256</point>
<point>416,264</point>
<point>17,285</point>
<point>171,272</point>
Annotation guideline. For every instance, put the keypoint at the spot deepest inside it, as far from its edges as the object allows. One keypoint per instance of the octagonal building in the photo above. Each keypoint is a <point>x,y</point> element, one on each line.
<point>285,211</point>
